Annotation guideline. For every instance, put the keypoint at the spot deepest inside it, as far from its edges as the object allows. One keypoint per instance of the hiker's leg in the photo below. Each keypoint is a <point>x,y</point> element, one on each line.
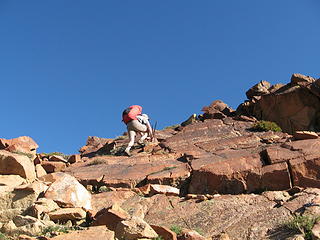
<point>132,135</point>
<point>143,137</point>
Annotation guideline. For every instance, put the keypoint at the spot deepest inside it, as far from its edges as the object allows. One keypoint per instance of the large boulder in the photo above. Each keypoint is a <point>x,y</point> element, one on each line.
<point>93,145</point>
<point>23,144</point>
<point>133,229</point>
<point>65,214</point>
<point>17,164</point>
<point>217,109</point>
<point>68,192</point>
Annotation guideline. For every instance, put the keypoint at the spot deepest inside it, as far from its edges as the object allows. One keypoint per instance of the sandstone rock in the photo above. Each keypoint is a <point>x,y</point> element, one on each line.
<point>302,135</point>
<point>74,158</point>
<point>37,160</point>
<point>25,225</point>
<point>110,217</point>
<point>217,110</point>
<point>93,145</point>
<point>65,214</point>
<point>259,89</point>
<point>188,234</point>
<point>277,154</point>
<point>206,215</point>
<point>109,199</point>
<point>57,158</point>
<point>26,237</point>
<point>96,233</point>
<point>293,107</point>
<point>163,189</point>
<point>68,192</point>
<point>134,228</point>
<point>224,236</point>
<point>40,172</point>
<point>21,144</point>
<point>127,172</point>
<point>42,206</point>
<point>16,164</point>
<point>277,196</point>
<point>316,231</point>
<point>51,167</point>
<point>164,232</point>
<point>299,78</point>
<point>37,187</point>
<point>9,182</point>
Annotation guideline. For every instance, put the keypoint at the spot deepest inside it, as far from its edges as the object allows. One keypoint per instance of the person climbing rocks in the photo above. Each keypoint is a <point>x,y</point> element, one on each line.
<point>137,123</point>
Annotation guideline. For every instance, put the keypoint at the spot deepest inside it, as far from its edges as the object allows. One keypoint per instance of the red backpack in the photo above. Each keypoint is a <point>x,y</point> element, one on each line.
<point>131,113</point>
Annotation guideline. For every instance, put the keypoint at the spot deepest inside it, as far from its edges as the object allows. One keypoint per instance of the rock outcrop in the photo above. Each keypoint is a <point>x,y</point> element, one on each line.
<point>294,107</point>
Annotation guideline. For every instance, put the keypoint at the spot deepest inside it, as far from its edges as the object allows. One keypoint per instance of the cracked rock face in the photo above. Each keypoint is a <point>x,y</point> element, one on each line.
<point>211,156</point>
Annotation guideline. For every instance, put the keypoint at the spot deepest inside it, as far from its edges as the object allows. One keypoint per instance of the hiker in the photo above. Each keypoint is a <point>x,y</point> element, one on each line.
<point>137,123</point>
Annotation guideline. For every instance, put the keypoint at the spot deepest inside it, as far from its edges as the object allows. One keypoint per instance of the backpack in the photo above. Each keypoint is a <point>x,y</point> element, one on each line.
<point>131,113</point>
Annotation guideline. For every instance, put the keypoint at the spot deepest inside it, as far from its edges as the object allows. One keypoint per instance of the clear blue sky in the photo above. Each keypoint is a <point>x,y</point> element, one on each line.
<point>69,68</point>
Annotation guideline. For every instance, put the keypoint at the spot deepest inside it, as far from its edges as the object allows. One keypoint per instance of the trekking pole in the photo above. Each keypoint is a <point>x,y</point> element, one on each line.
<point>154,131</point>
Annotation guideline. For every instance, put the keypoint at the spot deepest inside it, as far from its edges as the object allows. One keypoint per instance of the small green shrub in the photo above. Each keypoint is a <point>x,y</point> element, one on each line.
<point>158,238</point>
<point>303,224</point>
<point>198,230</point>
<point>96,162</point>
<point>3,237</point>
<point>55,228</point>
<point>264,126</point>
<point>177,229</point>
<point>29,155</point>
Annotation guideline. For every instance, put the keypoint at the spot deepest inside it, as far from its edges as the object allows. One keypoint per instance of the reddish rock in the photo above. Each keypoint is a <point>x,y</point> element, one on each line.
<point>110,218</point>
<point>51,167</point>
<point>65,214</point>
<point>229,176</point>
<point>57,158</point>
<point>163,189</point>
<point>107,199</point>
<point>259,89</point>
<point>188,234</point>
<point>68,192</point>
<point>16,164</point>
<point>217,109</point>
<point>302,135</point>
<point>298,78</point>
<point>164,232</point>
<point>294,107</point>
<point>74,158</point>
<point>37,160</point>
<point>276,154</point>
<point>305,173</point>
<point>275,177</point>
<point>134,228</point>
<point>93,145</point>
<point>40,171</point>
<point>21,144</point>
<point>127,172</point>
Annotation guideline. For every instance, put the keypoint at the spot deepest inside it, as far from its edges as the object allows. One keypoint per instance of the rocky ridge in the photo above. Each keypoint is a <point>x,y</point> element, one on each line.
<point>212,177</point>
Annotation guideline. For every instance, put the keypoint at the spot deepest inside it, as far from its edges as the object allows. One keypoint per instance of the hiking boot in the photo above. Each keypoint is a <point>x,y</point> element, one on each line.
<point>127,152</point>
